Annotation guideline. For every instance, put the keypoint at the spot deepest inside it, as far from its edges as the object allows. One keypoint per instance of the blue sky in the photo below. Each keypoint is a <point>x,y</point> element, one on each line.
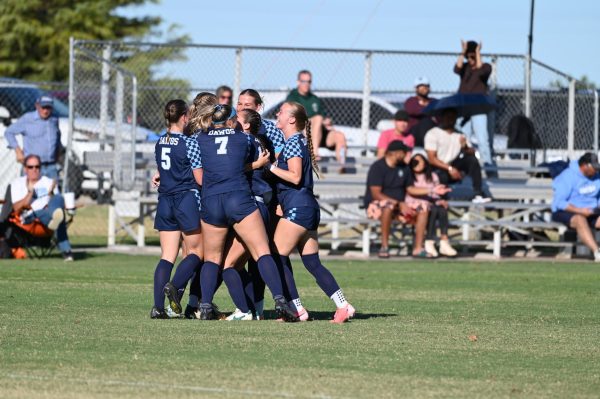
<point>565,33</point>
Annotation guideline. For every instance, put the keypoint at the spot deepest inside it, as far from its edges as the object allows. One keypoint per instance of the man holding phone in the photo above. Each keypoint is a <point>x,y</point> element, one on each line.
<point>576,195</point>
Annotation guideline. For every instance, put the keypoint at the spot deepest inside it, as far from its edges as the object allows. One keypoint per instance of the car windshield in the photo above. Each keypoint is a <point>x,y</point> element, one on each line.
<point>19,100</point>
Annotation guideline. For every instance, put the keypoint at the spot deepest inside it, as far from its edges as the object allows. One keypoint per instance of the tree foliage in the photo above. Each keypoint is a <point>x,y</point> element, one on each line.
<point>583,83</point>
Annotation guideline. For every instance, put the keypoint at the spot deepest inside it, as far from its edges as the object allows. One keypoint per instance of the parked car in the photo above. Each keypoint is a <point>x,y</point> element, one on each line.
<point>18,97</point>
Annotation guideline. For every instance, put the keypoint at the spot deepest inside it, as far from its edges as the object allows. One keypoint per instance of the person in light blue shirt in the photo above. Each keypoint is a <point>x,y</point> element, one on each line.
<point>576,195</point>
<point>41,136</point>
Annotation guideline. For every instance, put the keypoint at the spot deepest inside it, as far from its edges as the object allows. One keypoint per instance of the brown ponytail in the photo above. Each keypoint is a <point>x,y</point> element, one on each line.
<point>313,160</point>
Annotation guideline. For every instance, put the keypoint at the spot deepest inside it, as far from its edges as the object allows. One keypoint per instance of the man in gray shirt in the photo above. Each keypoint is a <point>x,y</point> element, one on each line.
<point>41,136</point>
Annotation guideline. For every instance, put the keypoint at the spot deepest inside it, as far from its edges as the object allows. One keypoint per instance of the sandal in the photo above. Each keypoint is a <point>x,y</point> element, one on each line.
<point>423,254</point>
<point>384,253</point>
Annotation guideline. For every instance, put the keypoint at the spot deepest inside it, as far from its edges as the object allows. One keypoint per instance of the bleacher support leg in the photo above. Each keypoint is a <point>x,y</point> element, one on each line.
<point>111,225</point>
<point>497,243</point>
<point>366,240</point>
<point>141,233</point>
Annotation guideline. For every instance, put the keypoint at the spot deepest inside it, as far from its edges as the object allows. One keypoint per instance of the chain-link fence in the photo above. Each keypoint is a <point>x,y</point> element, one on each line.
<point>118,90</point>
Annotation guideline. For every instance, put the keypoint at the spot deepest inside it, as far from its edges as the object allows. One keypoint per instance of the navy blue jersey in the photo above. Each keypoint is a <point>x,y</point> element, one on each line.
<point>301,194</point>
<point>273,134</point>
<point>258,182</point>
<point>176,156</point>
<point>225,153</point>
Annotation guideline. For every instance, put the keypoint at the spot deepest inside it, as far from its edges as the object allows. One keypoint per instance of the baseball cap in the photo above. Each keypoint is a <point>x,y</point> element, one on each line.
<point>397,145</point>
<point>421,80</point>
<point>590,158</point>
<point>45,101</point>
<point>401,115</point>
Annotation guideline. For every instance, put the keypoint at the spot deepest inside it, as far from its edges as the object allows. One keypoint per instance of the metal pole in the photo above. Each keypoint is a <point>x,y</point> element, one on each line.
<point>117,171</point>
<point>366,108</point>
<point>71,112</point>
<point>237,78</point>
<point>571,120</point>
<point>104,92</point>
<point>528,66</point>
<point>133,128</point>
<point>596,121</point>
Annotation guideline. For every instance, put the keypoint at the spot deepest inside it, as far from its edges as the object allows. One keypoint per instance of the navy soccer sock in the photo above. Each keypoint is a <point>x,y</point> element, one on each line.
<point>208,281</point>
<point>324,278</point>
<point>257,281</point>
<point>195,291</point>
<point>270,275</point>
<point>289,284</point>
<point>185,271</point>
<point>162,274</point>
<point>248,288</point>
<point>233,281</point>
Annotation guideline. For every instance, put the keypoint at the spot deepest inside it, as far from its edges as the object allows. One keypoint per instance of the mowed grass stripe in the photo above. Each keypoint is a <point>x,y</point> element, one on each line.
<point>70,329</point>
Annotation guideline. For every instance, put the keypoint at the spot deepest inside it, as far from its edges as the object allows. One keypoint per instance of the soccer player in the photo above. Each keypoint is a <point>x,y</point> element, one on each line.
<point>227,201</point>
<point>178,210</point>
<point>301,214</point>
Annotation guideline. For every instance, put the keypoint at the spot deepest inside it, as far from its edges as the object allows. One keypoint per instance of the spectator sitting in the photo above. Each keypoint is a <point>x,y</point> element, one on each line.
<point>40,194</point>
<point>334,140</point>
<point>418,122</point>
<point>224,95</point>
<point>384,197</point>
<point>576,195</point>
<point>424,192</point>
<point>450,153</point>
<point>41,136</point>
<point>398,132</point>
<point>303,95</point>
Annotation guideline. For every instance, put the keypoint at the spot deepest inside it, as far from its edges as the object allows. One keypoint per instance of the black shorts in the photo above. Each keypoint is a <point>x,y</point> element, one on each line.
<point>565,218</point>
<point>324,140</point>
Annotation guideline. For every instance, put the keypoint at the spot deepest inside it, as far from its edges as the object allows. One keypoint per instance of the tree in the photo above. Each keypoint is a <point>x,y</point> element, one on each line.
<point>34,43</point>
<point>582,83</point>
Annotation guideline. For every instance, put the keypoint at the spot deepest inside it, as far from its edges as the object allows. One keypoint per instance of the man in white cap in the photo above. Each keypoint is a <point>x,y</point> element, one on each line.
<point>415,105</point>
<point>41,136</point>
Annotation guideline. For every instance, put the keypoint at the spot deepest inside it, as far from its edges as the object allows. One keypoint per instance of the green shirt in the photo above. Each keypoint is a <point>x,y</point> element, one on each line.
<point>310,102</point>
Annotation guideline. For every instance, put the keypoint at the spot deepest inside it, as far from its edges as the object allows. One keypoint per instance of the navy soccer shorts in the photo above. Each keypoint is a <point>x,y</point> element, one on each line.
<point>178,212</point>
<point>226,209</point>
<point>565,218</point>
<point>305,216</point>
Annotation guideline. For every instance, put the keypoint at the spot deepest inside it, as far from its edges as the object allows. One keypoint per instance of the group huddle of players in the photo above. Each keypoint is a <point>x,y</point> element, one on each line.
<point>238,189</point>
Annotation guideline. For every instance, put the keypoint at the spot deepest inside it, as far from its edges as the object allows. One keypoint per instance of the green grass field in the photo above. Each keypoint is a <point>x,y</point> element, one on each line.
<point>82,330</point>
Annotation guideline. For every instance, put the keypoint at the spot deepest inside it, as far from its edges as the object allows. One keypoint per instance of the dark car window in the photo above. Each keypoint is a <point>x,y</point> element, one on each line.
<point>19,100</point>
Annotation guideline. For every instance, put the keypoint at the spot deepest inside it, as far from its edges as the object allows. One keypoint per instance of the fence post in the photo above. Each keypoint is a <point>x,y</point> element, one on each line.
<point>104,92</point>
<point>596,121</point>
<point>71,112</point>
<point>528,86</point>
<point>118,171</point>
<point>366,105</point>
<point>237,79</point>
<point>133,127</point>
<point>571,120</point>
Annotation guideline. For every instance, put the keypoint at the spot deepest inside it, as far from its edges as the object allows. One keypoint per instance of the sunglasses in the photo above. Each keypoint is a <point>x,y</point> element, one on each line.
<point>32,166</point>
<point>305,81</point>
<point>226,97</point>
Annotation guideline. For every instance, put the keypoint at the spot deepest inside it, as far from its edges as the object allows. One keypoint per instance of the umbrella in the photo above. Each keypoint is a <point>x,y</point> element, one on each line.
<point>466,105</point>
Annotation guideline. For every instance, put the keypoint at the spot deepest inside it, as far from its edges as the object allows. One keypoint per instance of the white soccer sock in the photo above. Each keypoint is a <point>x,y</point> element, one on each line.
<point>339,299</point>
<point>193,301</point>
<point>296,304</point>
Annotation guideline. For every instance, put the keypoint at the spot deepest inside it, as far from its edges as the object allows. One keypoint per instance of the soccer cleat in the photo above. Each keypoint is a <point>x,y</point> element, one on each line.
<point>171,293</point>
<point>284,311</point>
<point>191,312</point>
<point>206,312</point>
<point>217,313</point>
<point>238,315</point>
<point>156,313</point>
<point>172,314</point>
<point>302,315</point>
<point>344,314</point>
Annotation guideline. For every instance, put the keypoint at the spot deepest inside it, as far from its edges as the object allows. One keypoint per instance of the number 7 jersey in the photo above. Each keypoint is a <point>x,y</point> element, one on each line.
<point>176,156</point>
<point>225,153</point>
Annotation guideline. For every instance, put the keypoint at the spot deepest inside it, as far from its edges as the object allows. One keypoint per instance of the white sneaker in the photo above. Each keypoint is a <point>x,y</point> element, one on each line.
<point>57,218</point>
<point>238,315</point>
<point>446,249</point>
<point>479,199</point>
<point>430,248</point>
<point>597,256</point>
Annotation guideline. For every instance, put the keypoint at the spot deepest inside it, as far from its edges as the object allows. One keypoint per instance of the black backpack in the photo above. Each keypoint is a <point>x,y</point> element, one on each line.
<point>521,133</point>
